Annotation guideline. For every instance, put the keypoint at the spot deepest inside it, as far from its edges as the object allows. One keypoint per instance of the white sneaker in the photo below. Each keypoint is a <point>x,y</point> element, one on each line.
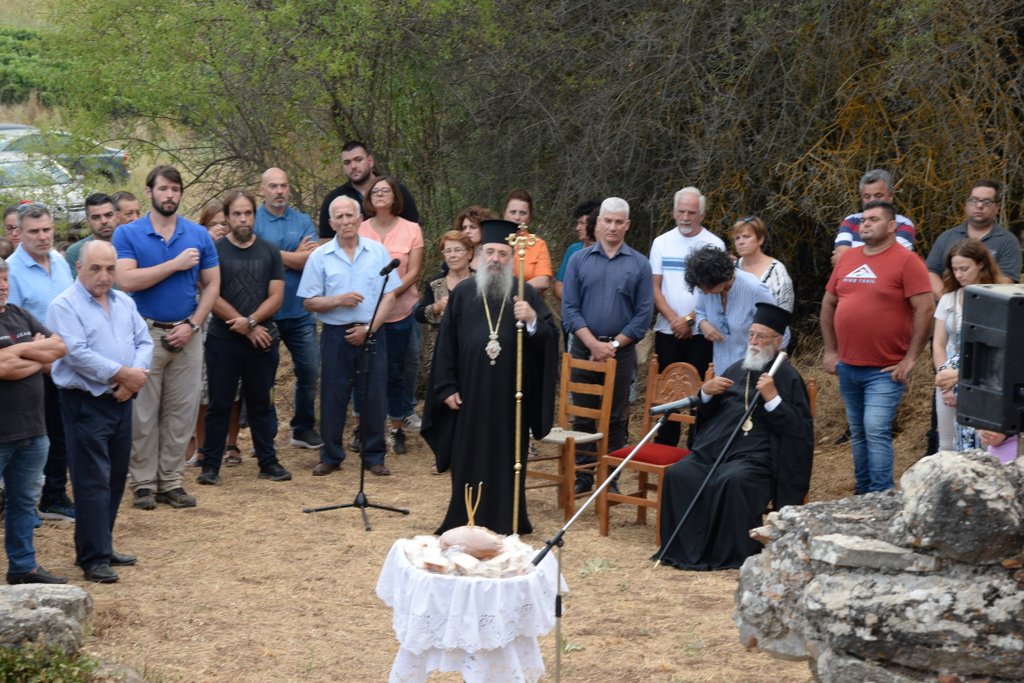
<point>413,423</point>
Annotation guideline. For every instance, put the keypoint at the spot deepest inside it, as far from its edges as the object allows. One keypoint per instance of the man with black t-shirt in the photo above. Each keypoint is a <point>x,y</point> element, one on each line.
<point>26,351</point>
<point>243,342</point>
<point>357,163</point>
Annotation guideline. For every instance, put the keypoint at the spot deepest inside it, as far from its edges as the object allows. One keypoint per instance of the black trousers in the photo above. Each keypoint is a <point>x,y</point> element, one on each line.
<point>229,360</point>
<point>99,448</point>
<point>55,472</point>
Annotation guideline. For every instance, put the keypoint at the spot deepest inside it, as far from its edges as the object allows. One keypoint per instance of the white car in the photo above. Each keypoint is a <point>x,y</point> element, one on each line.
<point>39,179</point>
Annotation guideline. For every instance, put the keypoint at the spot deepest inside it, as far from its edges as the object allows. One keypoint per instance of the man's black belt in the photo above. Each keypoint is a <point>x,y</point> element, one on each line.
<point>349,326</point>
<point>605,339</point>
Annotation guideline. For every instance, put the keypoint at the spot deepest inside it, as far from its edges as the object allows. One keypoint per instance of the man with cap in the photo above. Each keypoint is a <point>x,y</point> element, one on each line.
<point>469,417</point>
<point>769,459</point>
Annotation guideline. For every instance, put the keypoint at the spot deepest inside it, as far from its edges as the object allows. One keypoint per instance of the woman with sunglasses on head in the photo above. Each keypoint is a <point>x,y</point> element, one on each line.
<point>748,237</point>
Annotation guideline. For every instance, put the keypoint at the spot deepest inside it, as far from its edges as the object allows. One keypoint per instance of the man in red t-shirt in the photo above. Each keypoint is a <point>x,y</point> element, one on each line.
<point>875,318</point>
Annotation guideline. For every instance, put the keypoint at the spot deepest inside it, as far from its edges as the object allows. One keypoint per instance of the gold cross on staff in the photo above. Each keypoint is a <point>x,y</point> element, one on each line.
<point>522,239</point>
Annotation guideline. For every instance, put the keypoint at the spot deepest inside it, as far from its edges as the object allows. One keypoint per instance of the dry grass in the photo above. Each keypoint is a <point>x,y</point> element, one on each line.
<point>246,587</point>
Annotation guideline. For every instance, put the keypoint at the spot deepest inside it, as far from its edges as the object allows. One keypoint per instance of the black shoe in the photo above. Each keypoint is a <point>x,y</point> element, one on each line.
<point>117,560</point>
<point>144,499</point>
<point>274,472</point>
<point>307,438</point>
<point>100,573</point>
<point>355,441</point>
<point>582,486</point>
<point>37,575</point>
<point>396,439</point>
<point>208,478</point>
<point>176,498</point>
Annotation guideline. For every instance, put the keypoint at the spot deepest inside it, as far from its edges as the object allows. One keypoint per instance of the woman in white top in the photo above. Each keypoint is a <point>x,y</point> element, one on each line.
<point>968,263</point>
<point>748,236</point>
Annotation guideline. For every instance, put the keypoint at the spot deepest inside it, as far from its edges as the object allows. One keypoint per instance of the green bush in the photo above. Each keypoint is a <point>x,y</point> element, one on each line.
<point>39,665</point>
<point>24,66</point>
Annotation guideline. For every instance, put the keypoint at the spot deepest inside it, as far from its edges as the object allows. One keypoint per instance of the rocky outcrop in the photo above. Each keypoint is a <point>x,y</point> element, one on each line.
<point>925,584</point>
<point>50,615</point>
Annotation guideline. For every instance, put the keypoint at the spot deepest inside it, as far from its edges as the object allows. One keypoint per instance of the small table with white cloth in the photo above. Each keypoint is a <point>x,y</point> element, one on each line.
<point>484,628</point>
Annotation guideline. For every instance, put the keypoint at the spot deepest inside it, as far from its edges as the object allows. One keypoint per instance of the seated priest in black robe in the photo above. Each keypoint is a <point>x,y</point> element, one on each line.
<point>769,459</point>
<point>469,417</point>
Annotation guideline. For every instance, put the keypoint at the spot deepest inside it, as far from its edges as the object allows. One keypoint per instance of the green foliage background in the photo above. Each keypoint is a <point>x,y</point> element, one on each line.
<point>773,109</point>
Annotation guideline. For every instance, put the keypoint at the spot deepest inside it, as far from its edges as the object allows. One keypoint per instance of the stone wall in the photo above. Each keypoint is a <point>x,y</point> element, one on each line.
<point>920,585</point>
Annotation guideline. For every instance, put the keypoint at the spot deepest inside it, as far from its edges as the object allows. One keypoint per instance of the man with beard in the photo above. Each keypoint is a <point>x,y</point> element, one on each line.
<point>769,460</point>
<point>358,165</point>
<point>469,417</point>
<point>109,351</point>
<point>101,218</point>
<point>242,343</point>
<point>162,259</point>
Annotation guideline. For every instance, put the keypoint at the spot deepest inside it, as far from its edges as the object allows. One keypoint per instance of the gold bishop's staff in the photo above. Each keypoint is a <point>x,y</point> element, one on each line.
<point>519,241</point>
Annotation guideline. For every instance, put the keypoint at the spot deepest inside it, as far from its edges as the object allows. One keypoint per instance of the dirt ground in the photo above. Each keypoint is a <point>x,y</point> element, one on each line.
<point>246,587</point>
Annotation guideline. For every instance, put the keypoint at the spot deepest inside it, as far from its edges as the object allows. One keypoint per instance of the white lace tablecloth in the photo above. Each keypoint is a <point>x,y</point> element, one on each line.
<point>485,629</point>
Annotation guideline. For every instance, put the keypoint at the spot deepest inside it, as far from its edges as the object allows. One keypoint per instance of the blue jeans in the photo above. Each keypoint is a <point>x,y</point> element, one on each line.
<point>299,336</point>
<point>411,369</point>
<point>22,465</point>
<point>871,399</point>
<point>399,336</point>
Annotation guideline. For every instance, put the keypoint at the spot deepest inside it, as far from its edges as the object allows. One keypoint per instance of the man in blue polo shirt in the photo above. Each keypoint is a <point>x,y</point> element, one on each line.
<point>163,260</point>
<point>341,284</point>
<point>38,274</point>
<point>293,233</point>
<point>608,299</point>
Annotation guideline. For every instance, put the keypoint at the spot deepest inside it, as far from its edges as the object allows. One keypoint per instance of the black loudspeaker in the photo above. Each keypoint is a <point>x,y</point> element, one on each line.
<point>991,389</point>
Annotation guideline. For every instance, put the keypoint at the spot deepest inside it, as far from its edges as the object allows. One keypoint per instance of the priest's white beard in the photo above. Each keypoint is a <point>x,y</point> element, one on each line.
<point>758,357</point>
<point>495,284</point>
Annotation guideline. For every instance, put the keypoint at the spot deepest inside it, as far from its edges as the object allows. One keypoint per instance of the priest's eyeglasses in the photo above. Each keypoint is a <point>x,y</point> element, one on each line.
<point>761,336</point>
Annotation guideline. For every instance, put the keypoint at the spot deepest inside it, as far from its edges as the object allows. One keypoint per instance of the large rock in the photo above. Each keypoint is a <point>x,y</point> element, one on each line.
<point>871,589</point>
<point>966,506</point>
<point>51,615</point>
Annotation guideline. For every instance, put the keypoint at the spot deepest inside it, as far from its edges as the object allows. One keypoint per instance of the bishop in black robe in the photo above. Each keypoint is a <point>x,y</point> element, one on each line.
<point>477,442</point>
<point>770,461</point>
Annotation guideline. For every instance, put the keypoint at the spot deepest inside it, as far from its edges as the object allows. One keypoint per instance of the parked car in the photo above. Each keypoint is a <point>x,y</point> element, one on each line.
<point>81,155</point>
<point>40,179</point>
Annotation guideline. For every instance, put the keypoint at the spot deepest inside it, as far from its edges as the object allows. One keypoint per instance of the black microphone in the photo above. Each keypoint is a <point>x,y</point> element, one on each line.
<point>389,267</point>
<point>675,406</point>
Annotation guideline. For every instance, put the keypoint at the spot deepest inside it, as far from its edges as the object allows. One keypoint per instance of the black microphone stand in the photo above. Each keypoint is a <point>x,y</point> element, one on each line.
<point>362,376</point>
<point>559,541</point>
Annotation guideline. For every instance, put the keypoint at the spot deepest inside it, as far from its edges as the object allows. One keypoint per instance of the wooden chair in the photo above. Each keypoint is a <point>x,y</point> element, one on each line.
<point>677,381</point>
<point>570,393</point>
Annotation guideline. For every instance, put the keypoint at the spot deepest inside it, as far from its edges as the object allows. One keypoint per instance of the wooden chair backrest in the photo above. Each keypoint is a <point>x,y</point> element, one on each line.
<point>567,409</point>
<point>676,381</point>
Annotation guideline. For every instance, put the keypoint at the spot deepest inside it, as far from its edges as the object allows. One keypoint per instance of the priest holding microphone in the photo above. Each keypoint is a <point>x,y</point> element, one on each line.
<point>768,460</point>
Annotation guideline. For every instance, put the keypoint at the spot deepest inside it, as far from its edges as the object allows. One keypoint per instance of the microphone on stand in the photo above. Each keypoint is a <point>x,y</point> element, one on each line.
<point>389,267</point>
<point>676,406</point>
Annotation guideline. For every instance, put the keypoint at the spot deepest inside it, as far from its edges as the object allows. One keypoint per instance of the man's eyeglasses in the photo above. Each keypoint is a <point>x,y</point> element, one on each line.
<point>974,201</point>
<point>453,250</point>
<point>760,336</point>
<point>380,191</point>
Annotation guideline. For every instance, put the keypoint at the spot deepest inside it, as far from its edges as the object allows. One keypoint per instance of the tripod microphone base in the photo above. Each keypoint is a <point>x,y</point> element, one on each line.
<point>362,503</point>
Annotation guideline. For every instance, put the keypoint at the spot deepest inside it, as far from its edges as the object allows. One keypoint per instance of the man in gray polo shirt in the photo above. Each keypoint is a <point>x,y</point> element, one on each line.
<point>982,208</point>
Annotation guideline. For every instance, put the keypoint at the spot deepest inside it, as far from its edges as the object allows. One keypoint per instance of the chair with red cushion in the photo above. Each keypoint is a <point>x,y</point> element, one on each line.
<point>676,381</point>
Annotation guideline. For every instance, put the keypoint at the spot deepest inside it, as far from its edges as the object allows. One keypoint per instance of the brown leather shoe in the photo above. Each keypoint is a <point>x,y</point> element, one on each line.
<point>325,468</point>
<point>380,469</point>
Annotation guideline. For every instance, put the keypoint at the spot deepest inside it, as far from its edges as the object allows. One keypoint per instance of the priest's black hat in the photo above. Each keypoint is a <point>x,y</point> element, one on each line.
<point>772,316</point>
<point>495,231</point>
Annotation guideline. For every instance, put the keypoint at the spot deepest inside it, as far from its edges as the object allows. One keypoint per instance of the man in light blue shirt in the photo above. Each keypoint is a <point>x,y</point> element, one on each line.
<point>341,284</point>
<point>38,274</point>
<point>293,233</point>
<point>109,353</point>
